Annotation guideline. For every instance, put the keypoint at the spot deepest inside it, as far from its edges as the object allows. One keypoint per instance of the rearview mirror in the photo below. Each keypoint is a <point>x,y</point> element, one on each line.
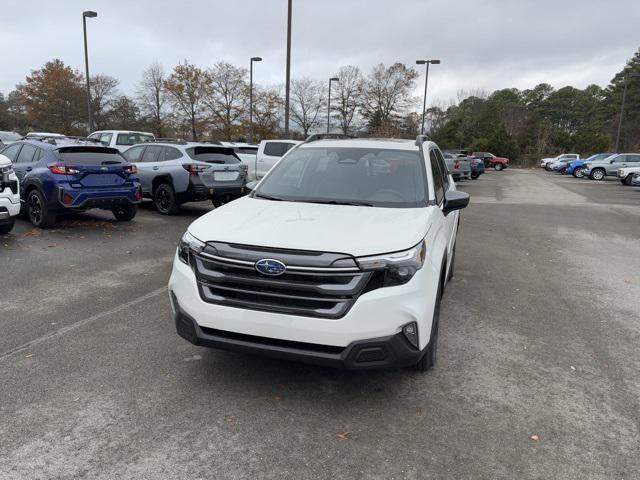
<point>454,200</point>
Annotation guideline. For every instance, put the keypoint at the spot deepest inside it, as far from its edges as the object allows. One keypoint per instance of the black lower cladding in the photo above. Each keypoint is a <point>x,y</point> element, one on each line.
<point>384,352</point>
<point>316,284</point>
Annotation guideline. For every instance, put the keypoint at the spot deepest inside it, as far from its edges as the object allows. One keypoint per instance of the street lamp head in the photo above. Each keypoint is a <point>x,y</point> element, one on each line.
<point>90,14</point>
<point>334,79</point>
<point>434,62</point>
<point>256,59</point>
<point>420,62</point>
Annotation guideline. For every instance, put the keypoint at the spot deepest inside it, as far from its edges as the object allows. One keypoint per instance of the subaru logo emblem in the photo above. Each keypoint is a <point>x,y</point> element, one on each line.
<point>269,266</point>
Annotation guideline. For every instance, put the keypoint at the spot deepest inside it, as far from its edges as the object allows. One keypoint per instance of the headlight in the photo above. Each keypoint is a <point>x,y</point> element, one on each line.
<point>398,267</point>
<point>187,244</point>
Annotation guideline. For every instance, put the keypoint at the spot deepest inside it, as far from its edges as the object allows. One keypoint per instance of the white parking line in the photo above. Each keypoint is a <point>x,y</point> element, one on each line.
<point>83,322</point>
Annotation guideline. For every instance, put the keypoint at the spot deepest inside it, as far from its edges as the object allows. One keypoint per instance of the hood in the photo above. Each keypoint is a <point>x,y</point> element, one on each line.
<point>346,229</point>
<point>4,161</point>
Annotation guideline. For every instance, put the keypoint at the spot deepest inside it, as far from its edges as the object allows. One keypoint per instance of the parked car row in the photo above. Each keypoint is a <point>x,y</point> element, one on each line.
<point>624,166</point>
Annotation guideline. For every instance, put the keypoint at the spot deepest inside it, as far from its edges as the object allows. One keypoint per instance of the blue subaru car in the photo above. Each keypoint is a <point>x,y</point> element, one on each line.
<point>575,167</point>
<point>60,175</point>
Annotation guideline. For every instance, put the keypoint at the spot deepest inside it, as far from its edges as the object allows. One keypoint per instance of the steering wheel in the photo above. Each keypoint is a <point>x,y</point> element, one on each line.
<point>389,191</point>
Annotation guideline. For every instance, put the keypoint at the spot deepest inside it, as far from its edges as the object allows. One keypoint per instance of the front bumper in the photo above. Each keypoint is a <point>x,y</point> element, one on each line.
<point>376,317</point>
<point>383,352</point>
<point>9,204</point>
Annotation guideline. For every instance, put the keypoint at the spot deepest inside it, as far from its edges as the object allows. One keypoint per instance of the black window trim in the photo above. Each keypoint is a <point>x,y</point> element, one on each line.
<point>433,175</point>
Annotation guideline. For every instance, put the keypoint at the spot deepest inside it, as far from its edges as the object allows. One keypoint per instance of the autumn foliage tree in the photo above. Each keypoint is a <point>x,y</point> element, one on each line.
<point>54,99</point>
<point>186,87</point>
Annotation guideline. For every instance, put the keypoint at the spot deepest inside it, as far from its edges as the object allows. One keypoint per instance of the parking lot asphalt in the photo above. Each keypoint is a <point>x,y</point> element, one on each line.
<point>537,376</point>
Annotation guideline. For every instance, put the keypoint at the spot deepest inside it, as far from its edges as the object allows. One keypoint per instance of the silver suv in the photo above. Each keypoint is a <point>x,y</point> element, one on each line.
<point>610,165</point>
<point>173,173</point>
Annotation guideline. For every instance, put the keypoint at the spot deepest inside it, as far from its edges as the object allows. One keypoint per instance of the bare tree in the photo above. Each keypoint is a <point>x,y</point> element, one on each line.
<point>307,99</point>
<point>151,96</point>
<point>103,93</point>
<point>348,95</point>
<point>187,86</point>
<point>227,98</point>
<point>386,95</point>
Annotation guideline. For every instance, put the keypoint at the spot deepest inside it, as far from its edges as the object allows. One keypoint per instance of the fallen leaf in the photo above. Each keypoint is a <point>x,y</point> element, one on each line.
<point>419,411</point>
<point>343,435</point>
<point>28,355</point>
<point>535,438</point>
<point>277,397</point>
<point>572,367</point>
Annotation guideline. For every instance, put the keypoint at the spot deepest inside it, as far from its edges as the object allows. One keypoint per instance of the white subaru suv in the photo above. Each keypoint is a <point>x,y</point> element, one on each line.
<point>9,195</point>
<point>338,257</point>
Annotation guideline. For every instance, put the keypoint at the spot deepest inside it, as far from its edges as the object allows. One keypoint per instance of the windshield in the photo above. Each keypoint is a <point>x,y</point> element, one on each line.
<point>9,136</point>
<point>213,155</point>
<point>360,176</point>
<point>599,157</point>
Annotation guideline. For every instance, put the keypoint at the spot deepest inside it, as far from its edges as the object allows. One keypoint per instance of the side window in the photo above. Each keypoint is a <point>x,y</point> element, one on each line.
<point>26,154</point>
<point>105,138</point>
<point>133,154</point>
<point>94,135</point>
<point>444,170</point>
<point>151,154</point>
<point>438,186</point>
<point>275,149</point>
<point>171,153</point>
<point>288,147</point>
<point>12,151</point>
<point>634,158</point>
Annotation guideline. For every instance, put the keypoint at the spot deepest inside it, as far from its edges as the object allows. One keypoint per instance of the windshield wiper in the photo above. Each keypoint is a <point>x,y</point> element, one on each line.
<point>341,202</point>
<point>267,197</point>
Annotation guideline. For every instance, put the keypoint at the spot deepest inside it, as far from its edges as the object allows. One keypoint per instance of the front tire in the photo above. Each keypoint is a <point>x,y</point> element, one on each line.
<point>125,213</point>
<point>38,212</point>
<point>498,166</point>
<point>628,180</point>
<point>165,199</point>
<point>475,175</point>
<point>7,226</point>
<point>578,173</point>
<point>597,174</point>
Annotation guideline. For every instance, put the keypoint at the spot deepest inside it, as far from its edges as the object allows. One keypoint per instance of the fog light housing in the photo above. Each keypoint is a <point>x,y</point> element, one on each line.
<point>67,199</point>
<point>410,332</point>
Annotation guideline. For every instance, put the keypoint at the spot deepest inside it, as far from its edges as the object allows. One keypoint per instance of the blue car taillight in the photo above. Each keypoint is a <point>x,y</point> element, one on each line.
<point>63,169</point>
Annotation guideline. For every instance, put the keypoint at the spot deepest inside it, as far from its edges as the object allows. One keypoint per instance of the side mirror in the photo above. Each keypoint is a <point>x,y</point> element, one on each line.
<point>250,186</point>
<point>454,200</point>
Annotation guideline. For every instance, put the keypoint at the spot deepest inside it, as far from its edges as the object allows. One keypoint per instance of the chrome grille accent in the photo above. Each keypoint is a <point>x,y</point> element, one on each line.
<point>315,284</point>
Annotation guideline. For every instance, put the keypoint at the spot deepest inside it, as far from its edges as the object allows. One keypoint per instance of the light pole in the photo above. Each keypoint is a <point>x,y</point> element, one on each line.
<point>332,79</point>
<point>426,79</point>
<point>85,15</point>
<point>624,95</point>
<point>288,75</point>
<point>253,59</point>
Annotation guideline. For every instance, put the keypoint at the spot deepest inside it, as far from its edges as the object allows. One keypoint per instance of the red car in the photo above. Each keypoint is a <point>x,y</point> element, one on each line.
<point>491,161</point>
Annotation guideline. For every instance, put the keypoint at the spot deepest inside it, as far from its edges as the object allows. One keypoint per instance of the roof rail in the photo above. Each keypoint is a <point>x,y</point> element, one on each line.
<point>420,139</point>
<point>181,141</point>
<point>327,136</point>
<point>212,142</point>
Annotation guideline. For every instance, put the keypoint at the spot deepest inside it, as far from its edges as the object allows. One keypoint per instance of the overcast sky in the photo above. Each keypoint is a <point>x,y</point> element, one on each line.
<point>482,44</point>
